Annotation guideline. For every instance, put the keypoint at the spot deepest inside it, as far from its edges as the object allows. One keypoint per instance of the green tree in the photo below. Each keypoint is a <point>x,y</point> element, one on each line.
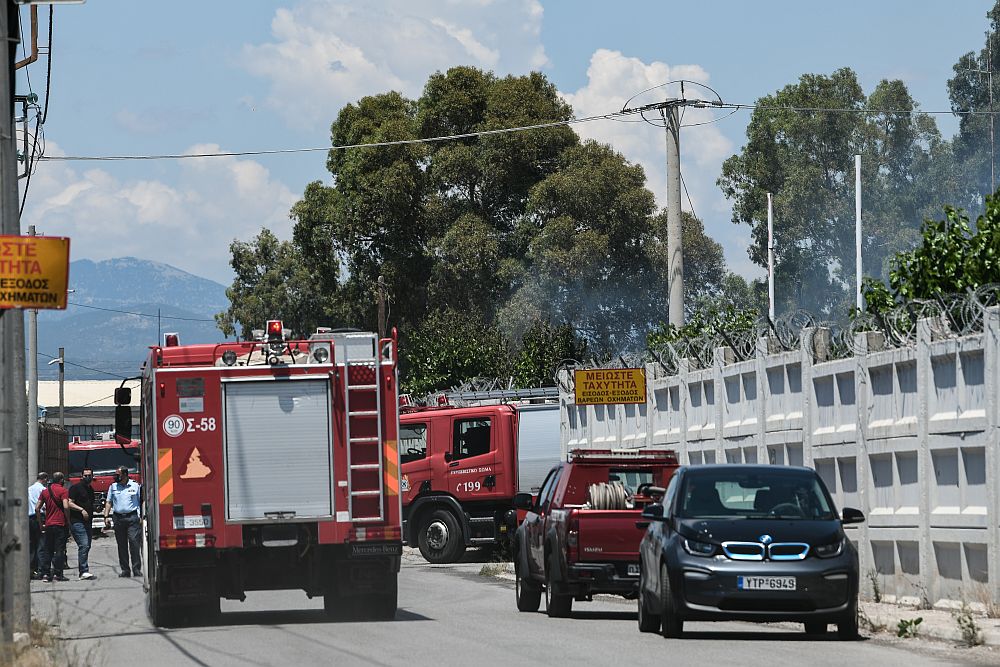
<point>273,282</point>
<point>804,155</point>
<point>543,348</point>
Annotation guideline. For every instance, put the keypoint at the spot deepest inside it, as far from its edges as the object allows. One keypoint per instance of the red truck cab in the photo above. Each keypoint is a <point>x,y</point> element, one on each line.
<point>103,457</point>
<point>462,466</point>
<point>579,536</point>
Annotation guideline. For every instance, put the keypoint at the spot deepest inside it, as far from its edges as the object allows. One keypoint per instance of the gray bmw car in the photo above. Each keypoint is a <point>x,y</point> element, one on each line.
<point>751,543</point>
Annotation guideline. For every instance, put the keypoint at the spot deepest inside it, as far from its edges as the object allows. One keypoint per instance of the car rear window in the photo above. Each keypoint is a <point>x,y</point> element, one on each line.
<point>724,493</point>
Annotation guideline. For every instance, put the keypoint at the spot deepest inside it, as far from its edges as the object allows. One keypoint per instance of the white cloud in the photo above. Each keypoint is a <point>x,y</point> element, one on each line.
<point>325,53</point>
<point>187,221</point>
<point>612,78</point>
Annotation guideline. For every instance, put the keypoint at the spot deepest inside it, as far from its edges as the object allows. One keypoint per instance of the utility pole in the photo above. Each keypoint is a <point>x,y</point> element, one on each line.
<point>62,375</point>
<point>859,300</point>
<point>770,258</point>
<point>15,609</point>
<point>675,251</point>
<point>32,385</point>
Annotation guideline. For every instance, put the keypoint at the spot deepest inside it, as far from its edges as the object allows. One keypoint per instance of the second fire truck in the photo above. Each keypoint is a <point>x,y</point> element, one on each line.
<point>272,465</point>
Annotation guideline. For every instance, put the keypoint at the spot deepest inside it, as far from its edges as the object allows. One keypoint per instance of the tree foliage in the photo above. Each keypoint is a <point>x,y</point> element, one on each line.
<point>806,159</point>
<point>502,254</point>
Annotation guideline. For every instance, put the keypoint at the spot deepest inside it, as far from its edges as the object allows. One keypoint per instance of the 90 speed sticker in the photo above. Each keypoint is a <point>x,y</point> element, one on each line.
<point>173,425</point>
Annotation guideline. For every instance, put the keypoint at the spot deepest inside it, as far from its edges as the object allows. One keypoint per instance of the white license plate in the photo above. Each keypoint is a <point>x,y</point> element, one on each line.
<point>765,583</point>
<point>633,569</point>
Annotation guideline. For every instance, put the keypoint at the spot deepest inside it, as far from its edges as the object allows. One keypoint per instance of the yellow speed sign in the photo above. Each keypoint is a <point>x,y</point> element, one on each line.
<point>34,271</point>
<point>608,386</point>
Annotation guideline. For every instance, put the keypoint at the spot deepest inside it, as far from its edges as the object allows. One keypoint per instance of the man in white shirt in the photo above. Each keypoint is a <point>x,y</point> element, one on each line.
<point>34,526</point>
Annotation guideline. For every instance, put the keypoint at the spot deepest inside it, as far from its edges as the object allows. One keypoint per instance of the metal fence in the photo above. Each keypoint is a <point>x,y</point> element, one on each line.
<point>907,434</point>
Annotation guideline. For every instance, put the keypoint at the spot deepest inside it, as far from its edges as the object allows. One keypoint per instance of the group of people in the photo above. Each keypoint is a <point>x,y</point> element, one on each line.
<point>55,513</point>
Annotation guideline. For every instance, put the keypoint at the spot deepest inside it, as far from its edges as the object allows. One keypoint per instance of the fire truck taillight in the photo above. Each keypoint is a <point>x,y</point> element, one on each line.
<point>187,541</point>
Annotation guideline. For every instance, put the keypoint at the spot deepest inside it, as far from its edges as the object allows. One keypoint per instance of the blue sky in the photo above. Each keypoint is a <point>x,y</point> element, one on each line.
<point>172,77</point>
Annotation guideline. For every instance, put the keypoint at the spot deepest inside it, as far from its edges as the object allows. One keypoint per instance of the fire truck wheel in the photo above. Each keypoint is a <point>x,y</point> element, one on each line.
<point>557,605</point>
<point>440,538</point>
<point>527,593</point>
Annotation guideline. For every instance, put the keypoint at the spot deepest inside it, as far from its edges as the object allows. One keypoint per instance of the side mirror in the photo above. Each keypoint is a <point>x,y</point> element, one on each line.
<point>123,396</point>
<point>851,515</point>
<point>653,512</point>
<point>123,423</point>
<point>523,501</point>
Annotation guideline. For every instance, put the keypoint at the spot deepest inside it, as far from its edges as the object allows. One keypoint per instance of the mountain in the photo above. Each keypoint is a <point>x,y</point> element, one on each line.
<point>97,334</point>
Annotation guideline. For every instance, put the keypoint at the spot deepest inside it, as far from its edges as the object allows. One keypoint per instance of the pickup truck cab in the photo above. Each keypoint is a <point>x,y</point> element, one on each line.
<point>579,536</point>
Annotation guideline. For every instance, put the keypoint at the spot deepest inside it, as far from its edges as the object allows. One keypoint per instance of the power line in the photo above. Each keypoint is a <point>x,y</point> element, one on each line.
<point>95,370</point>
<point>131,312</point>
<point>377,144</point>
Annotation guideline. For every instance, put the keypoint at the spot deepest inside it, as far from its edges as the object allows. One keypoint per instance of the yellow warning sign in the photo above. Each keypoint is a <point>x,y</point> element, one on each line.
<point>609,386</point>
<point>196,468</point>
<point>34,271</point>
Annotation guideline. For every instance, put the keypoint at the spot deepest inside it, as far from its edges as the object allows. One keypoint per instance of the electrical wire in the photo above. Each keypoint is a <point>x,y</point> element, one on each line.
<point>95,370</point>
<point>48,74</point>
<point>690,203</point>
<point>378,144</point>
<point>131,312</point>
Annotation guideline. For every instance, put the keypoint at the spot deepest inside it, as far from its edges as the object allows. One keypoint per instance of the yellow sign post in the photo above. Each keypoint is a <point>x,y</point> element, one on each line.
<point>608,386</point>
<point>34,271</point>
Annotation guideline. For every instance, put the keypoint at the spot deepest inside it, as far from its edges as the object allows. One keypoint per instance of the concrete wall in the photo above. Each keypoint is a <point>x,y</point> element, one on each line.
<point>907,435</point>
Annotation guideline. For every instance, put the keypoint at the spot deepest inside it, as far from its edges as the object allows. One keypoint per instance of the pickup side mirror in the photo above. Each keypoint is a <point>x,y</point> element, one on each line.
<point>523,501</point>
<point>851,515</point>
<point>653,512</point>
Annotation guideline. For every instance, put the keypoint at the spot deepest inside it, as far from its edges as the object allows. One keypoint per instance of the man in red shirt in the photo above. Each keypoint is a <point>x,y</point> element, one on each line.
<point>52,555</point>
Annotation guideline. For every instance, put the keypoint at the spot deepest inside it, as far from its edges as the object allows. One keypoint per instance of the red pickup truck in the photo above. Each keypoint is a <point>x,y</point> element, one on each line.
<point>579,536</point>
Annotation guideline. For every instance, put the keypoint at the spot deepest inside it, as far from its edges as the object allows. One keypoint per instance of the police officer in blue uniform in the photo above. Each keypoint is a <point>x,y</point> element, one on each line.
<point>123,501</point>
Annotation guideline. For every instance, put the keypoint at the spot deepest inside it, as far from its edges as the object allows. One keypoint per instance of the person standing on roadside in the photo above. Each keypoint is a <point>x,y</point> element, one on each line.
<point>35,526</point>
<point>123,500</point>
<point>52,555</point>
<point>81,517</point>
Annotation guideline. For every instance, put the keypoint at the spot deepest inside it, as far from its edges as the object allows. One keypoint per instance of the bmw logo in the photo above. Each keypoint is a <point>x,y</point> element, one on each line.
<point>765,539</point>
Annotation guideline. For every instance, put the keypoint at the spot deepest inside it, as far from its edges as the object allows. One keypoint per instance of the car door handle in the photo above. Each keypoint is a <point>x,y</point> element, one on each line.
<point>453,464</point>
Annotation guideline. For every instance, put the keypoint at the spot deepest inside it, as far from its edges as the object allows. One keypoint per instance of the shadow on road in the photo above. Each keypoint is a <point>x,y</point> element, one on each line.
<point>765,636</point>
<point>605,615</point>
<point>299,617</point>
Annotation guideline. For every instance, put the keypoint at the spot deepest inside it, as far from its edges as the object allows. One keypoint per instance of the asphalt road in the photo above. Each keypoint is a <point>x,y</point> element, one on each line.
<point>448,615</point>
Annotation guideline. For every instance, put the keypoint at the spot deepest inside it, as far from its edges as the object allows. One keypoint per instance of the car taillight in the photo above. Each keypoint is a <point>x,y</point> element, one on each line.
<point>573,537</point>
<point>187,541</point>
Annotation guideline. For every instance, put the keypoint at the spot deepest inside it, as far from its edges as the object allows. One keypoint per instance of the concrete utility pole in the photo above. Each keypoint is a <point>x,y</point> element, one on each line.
<point>32,385</point>
<point>770,258</point>
<point>859,300</point>
<point>15,609</point>
<point>675,251</point>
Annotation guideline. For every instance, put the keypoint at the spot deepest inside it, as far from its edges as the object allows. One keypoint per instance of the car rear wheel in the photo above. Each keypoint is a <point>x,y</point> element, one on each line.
<point>672,627</point>
<point>557,605</point>
<point>440,538</point>
<point>648,622</point>
<point>814,628</point>
<point>528,593</point>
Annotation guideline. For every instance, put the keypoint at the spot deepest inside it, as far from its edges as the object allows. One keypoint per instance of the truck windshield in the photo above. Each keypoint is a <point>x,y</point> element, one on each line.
<point>772,494</point>
<point>103,461</point>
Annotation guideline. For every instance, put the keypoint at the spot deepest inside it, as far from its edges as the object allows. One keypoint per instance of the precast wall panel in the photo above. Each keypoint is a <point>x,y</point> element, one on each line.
<point>909,435</point>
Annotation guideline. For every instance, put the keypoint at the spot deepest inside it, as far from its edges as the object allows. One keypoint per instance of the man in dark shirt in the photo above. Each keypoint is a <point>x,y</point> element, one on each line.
<point>81,516</point>
<point>52,556</point>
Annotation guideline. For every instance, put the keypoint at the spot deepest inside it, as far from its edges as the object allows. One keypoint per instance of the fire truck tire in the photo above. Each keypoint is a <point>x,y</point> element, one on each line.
<point>440,537</point>
<point>527,593</point>
<point>557,605</point>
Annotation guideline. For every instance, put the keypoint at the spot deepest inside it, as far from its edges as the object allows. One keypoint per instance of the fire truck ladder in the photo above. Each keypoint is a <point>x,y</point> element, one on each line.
<point>364,473</point>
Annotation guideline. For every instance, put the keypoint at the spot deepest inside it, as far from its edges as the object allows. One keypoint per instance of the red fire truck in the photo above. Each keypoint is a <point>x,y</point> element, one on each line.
<point>275,466</point>
<point>462,466</point>
<point>103,457</point>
